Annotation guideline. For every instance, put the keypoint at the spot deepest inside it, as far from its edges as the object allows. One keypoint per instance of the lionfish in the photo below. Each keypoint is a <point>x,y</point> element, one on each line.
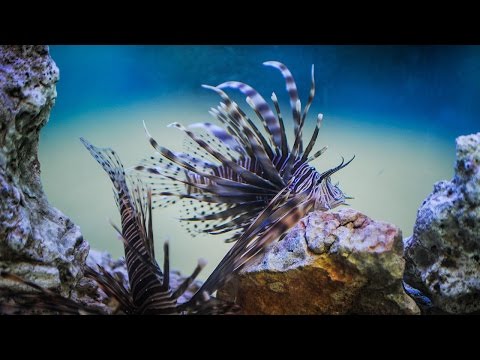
<point>149,291</point>
<point>241,181</point>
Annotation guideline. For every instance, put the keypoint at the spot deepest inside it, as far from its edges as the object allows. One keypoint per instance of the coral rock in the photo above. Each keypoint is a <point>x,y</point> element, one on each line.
<point>37,241</point>
<point>336,262</point>
<point>443,255</point>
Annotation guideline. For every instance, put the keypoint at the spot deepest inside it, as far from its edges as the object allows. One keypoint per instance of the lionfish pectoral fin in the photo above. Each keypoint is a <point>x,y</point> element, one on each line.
<point>251,247</point>
<point>265,213</point>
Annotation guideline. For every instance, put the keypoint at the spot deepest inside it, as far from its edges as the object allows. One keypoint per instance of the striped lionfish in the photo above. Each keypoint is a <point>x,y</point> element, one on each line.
<point>150,291</point>
<point>239,181</point>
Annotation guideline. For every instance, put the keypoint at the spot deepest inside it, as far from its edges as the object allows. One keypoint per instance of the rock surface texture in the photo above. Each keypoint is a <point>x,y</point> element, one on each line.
<point>443,255</point>
<point>336,262</point>
<point>37,241</point>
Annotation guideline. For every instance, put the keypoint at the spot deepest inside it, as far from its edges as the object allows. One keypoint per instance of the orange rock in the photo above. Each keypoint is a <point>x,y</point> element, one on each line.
<point>337,262</point>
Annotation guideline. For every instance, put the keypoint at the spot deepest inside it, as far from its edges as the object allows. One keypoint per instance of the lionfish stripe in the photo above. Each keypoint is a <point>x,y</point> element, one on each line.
<point>221,135</point>
<point>271,218</point>
<point>310,97</point>
<point>260,105</point>
<point>143,272</point>
<point>256,224</point>
<point>291,89</point>
<point>313,139</point>
<point>242,253</point>
<point>111,287</point>
<point>255,144</point>
<point>265,145</point>
<point>235,210</point>
<point>255,140</point>
<point>255,181</point>
<point>229,113</point>
<point>239,170</point>
<point>265,126</point>
<point>290,216</point>
<point>317,154</point>
<point>189,280</point>
<point>297,146</point>
<point>166,266</point>
<point>231,127</point>
<point>144,259</point>
<point>282,126</point>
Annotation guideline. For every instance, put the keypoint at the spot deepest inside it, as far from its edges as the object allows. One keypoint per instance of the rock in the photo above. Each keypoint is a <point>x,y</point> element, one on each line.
<point>443,254</point>
<point>37,241</point>
<point>336,262</point>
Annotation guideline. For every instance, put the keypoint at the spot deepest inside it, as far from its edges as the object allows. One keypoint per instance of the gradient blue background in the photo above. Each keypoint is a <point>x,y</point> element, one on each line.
<point>440,85</point>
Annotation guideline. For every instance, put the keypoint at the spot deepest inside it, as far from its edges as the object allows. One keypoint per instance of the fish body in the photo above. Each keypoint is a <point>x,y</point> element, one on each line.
<point>239,180</point>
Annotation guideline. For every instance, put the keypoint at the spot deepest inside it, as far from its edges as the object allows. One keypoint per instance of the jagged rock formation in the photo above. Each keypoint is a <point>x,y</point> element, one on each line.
<point>443,255</point>
<point>336,262</point>
<point>37,241</point>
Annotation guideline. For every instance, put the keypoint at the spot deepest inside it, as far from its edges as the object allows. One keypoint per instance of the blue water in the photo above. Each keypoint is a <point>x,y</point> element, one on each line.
<point>397,108</point>
<point>438,84</point>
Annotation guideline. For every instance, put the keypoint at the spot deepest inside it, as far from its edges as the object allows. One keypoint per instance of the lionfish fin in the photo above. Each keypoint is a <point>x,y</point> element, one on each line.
<point>272,126</point>
<point>111,287</point>
<point>146,260</point>
<point>311,96</point>
<point>247,248</point>
<point>313,139</point>
<point>282,125</point>
<point>110,162</point>
<point>317,154</point>
<point>189,280</point>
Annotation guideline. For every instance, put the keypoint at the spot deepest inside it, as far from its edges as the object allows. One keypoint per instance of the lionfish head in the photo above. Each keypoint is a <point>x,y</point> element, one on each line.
<point>327,194</point>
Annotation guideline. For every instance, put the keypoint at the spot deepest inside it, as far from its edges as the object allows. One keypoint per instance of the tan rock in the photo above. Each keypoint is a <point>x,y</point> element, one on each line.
<point>338,262</point>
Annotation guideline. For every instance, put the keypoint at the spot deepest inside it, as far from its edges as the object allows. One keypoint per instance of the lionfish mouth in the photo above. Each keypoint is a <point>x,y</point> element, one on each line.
<point>242,178</point>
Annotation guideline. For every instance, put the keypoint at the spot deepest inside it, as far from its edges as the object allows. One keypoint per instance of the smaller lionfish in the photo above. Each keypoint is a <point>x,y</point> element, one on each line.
<point>150,291</point>
<point>240,182</point>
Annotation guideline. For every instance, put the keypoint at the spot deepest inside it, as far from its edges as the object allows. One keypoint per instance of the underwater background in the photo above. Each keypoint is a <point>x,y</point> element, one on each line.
<point>397,108</point>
